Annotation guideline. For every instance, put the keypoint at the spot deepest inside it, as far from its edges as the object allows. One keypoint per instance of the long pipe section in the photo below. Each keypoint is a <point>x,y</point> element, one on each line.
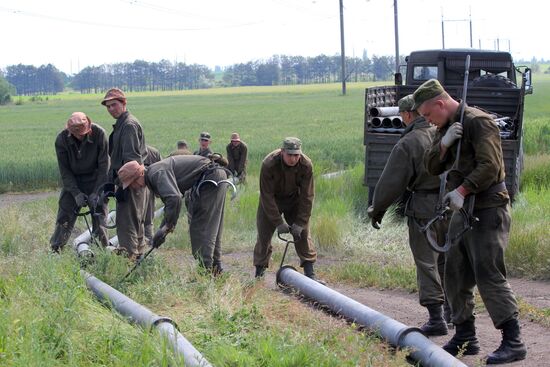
<point>396,333</point>
<point>384,111</point>
<point>144,317</point>
<point>81,244</point>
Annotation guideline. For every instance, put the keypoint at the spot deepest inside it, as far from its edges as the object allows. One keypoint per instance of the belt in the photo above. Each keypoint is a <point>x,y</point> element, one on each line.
<point>499,187</point>
<point>426,191</point>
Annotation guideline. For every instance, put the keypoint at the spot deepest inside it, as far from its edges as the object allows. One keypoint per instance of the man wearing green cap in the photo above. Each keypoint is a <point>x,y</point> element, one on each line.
<point>478,257</point>
<point>405,171</point>
<point>286,199</point>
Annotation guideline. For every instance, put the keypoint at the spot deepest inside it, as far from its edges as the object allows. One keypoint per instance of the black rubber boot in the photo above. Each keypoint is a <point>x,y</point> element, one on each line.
<point>464,341</point>
<point>310,273</point>
<point>260,271</point>
<point>447,313</point>
<point>511,348</point>
<point>436,325</point>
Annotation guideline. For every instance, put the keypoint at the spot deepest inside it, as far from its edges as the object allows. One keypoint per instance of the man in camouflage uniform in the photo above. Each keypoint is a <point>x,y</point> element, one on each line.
<point>204,149</point>
<point>478,257</point>
<point>169,179</point>
<point>237,152</point>
<point>405,170</point>
<point>153,156</point>
<point>126,143</point>
<point>286,187</point>
<point>83,159</point>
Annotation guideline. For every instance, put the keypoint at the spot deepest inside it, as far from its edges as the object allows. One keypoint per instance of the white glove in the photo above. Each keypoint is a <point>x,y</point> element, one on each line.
<point>453,133</point>
<point>455,200</point>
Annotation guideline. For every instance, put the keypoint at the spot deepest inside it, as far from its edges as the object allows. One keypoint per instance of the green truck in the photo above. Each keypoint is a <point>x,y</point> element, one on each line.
<point>495,85</point>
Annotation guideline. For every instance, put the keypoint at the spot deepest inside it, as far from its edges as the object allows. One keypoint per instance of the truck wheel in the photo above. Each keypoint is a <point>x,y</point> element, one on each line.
<point>493,81</point>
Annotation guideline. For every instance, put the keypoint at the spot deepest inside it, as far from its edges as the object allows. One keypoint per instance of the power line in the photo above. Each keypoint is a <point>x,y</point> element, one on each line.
<point>97,24</point>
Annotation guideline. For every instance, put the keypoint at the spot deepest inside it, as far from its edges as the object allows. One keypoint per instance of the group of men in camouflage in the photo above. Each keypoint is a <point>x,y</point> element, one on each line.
<point>427,148</point>
<point>479,202</point>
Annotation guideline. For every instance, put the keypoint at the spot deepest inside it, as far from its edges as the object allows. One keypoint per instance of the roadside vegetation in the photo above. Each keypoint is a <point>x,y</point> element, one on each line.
<point>49,318</point>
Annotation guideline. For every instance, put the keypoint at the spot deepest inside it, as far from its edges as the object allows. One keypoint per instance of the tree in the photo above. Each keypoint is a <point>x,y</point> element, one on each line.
<point>6,91</point>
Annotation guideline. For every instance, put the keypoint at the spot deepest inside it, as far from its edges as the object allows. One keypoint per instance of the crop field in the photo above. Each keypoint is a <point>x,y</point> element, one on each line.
<point>48,318</point>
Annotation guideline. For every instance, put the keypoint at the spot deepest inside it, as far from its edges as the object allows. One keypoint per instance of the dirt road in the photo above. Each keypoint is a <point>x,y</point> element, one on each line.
<point>403,306</point>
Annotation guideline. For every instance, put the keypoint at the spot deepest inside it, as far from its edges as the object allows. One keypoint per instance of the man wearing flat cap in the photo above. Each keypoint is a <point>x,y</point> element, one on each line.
<point>207,184</point>
<point>405,170</point>
<point>286,200</point>
<point>204,145</point>
<point>476,189</point>
<point>126,143</point>
<point>237,152</point>
<point>83,158</point>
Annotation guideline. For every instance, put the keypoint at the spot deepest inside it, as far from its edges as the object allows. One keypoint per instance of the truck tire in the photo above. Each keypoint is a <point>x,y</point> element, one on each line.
<point>493,81</point>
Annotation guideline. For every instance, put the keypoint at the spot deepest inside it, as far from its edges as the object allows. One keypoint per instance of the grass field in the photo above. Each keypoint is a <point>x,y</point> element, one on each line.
<point>48,318</point>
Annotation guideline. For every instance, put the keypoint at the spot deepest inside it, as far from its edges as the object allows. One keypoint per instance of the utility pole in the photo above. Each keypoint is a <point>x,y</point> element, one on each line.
<point>442,29</point>
<point>396,36</point>
<point>342,48</point>
<point>471,39</point>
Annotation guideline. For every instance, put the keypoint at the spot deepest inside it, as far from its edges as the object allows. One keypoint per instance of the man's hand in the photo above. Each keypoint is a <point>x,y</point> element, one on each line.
<point>455,198</point>
<point>160,236</point>
<point>376,217</point>
<point>283,228</point>
<point>93,200</point>
<point>296,230</point>
<point>453,134</point>
<point>81,199</point>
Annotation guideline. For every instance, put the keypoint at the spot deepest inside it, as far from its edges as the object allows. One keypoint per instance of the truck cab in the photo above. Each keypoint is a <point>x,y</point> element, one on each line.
<point>492,86</point>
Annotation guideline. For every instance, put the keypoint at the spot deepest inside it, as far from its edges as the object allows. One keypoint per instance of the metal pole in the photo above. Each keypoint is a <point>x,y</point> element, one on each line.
<point>396,333</point>
<point>342,47</point>
<point>144,317</point>
<point>395,22</point>
<point>471,37</point>
<point>442,31</point>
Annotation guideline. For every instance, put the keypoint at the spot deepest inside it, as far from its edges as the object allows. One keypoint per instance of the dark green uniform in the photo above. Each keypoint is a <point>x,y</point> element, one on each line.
<point>478,259</point>
<point>83,166</point>
<point>203,152</point>
<point>237,158</point>
<point>405,170</point>
<point>170,178</point>
<point>127,143</point>
<point>288,191</point>
<point>153,156</point>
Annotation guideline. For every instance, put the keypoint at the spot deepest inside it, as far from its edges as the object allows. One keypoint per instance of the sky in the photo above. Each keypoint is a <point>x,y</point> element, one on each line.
<point>73,34</point>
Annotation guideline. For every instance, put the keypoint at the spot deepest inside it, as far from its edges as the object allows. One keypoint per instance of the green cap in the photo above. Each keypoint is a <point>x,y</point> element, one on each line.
<point>428,90</point>
<point>406,103</point>
<point>292,145</point>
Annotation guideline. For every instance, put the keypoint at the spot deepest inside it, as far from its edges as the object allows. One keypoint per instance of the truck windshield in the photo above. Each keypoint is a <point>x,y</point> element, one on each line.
<point>424,72</point>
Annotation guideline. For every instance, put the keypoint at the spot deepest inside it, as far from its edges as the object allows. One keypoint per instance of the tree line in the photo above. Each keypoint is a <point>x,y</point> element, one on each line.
<point>164,75</point>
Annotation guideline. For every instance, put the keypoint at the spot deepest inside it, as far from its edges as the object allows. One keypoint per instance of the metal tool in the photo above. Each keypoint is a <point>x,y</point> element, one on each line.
<point>140,260</point>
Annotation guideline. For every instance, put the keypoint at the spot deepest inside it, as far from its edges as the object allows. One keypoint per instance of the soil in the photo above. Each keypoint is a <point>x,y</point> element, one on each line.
<point>18,198</point>
<point>403,306</point>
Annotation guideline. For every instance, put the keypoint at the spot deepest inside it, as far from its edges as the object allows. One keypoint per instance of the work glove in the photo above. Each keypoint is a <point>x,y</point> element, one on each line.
<point>81,199</point>
<point>93,200</point>
<point>283,228</point>
<point>296,230</point>
<point>159,237</point>
<point>454,199</point>
<point>453,133</point>
<point>375,217</point>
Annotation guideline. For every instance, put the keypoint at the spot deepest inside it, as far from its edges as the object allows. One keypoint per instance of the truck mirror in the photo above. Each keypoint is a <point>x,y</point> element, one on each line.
<point>527,81</point>
<point>398,78</point>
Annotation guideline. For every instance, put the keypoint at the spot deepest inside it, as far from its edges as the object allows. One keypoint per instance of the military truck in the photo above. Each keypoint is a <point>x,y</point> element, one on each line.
<point>492,86</point>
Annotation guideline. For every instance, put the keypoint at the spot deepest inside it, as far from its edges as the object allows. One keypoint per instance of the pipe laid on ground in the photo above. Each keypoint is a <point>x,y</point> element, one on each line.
<point>396,333</point>
<point>384,111</point>
<point>144,317</point>
<point>81,244</point>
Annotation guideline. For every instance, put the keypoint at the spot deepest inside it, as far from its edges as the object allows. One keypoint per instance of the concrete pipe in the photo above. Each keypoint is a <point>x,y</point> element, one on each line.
<point>396,122</point>
<point>81,244</point>
<point>396,333</point>
<point>384,111</point>
<point>141,315</point>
